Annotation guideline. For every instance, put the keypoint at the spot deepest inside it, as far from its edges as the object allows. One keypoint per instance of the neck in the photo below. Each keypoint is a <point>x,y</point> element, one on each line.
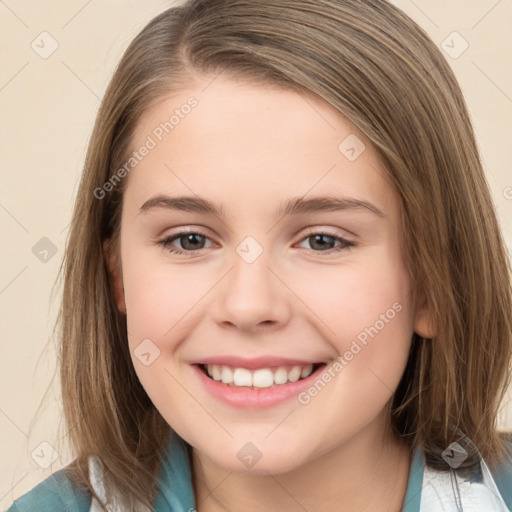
<point>369,471</point>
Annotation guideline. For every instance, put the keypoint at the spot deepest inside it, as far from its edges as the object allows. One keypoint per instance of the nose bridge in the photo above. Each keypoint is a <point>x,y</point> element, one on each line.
<point>252,294</point>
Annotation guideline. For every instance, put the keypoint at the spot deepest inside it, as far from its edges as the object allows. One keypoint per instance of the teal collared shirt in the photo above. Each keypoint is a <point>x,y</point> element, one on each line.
<point>176,494</point>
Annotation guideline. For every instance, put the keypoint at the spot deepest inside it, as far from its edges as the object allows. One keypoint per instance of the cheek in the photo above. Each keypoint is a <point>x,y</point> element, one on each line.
<point>370,323</point>
<point>370,326</point>
<point>162,306</point>
<point>371,292</point>
<point>161,299</point>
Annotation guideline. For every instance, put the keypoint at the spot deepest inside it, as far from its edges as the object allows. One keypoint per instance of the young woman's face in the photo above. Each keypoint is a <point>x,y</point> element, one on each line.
<point>257,289</point>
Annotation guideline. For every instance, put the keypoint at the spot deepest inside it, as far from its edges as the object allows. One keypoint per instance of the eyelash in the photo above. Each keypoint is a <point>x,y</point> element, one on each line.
<point>166,242</point>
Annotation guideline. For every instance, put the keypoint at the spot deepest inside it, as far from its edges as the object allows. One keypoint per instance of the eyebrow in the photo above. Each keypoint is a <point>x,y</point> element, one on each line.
<point>293,206</point>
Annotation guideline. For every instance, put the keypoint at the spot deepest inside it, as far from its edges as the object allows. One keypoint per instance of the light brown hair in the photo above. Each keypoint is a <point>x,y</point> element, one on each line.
<point>380,70</point>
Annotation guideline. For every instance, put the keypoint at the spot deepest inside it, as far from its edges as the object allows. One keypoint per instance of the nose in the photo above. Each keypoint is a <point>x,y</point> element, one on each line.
<point>252,297</point>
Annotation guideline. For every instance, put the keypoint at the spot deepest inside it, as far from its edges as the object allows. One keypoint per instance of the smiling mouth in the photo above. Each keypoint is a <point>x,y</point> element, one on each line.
<point>261,378</point>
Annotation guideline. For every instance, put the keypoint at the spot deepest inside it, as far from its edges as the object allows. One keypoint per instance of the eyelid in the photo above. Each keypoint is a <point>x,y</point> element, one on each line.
<point>328,231</point>
<point>189,229</point>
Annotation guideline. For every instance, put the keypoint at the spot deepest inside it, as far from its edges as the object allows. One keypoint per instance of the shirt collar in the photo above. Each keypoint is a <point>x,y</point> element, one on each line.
<point>414,485</point>
<point>175,491</point>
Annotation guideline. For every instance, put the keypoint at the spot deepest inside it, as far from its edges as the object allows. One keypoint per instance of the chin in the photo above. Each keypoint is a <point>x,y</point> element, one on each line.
<point>258,458</point>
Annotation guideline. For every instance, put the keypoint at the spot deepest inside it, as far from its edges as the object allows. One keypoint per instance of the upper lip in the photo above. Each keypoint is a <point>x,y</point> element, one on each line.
<point>258,362</point>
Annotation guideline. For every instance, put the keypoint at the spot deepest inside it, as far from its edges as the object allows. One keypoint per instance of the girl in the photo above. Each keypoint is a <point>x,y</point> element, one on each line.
<point>217,353</point>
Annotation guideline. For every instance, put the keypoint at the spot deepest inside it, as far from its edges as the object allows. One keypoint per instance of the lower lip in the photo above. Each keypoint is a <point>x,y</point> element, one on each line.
<point>247,398</point>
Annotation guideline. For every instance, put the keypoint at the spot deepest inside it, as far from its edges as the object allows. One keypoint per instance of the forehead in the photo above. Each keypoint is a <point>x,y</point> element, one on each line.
<point>251,145</point>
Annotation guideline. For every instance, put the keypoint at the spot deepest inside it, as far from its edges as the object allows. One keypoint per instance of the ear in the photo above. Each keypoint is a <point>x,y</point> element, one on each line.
<point>424,324</point>
<point>115,274</point>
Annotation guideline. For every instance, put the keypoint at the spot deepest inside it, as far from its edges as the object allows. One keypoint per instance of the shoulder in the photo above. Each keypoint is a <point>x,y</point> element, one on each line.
<point>55,494</point>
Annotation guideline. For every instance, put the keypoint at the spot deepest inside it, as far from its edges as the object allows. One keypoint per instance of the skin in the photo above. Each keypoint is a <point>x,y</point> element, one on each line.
<point>249,147</point>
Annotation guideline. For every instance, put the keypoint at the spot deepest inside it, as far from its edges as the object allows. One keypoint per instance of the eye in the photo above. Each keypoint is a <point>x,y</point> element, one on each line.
<point>190,240</point>
<point>323,239</point>
<point>193,241</point>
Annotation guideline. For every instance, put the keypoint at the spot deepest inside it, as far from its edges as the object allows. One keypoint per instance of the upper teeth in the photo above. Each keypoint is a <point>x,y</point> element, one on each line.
<point>261,378</point>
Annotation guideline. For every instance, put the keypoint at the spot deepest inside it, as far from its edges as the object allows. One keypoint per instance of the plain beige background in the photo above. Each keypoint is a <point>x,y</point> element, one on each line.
<point>48,103</point>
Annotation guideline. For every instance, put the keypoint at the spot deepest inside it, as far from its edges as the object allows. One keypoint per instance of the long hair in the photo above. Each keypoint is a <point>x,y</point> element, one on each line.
<point>378,69</point>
